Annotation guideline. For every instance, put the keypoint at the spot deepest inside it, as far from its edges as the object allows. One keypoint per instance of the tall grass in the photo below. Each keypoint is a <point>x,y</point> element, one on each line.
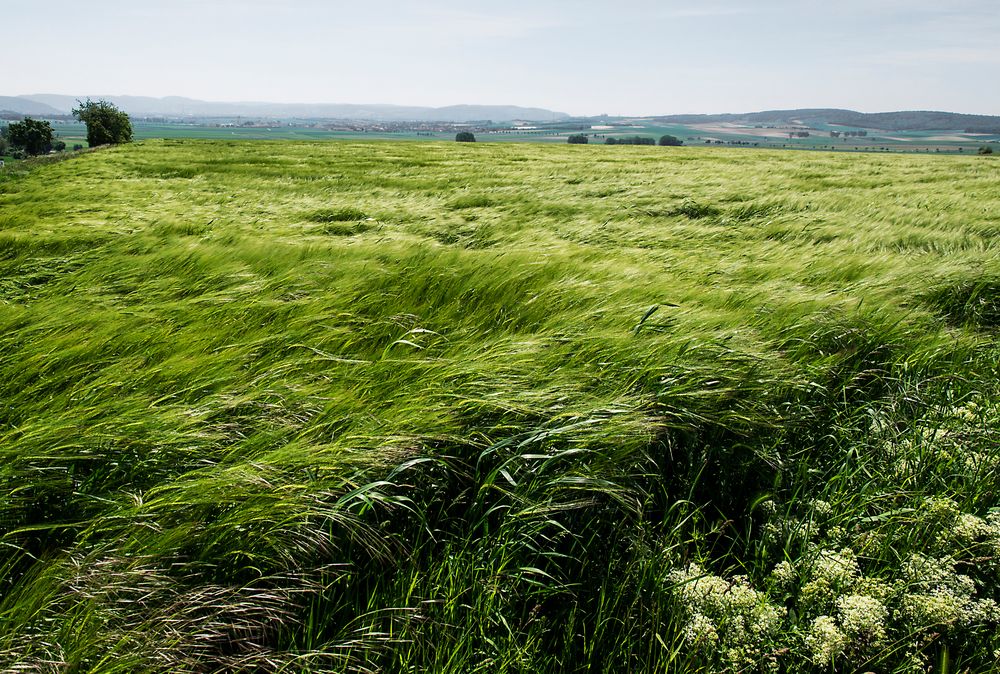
<point>425,407</point>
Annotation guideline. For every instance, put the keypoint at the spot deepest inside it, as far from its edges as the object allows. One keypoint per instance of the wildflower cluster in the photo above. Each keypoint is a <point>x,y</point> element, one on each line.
<point>949,587</point>
<point>938,596</point>
<point>851,609</point>
<point>726,619</point>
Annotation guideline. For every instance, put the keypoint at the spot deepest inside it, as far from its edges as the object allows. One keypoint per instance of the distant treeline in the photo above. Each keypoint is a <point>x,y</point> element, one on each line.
<point>630,140</point>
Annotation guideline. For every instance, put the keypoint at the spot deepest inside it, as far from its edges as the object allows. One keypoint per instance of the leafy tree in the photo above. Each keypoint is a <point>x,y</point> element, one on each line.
<point>4,143</point>
<point>32,136</point>
<point>985,149</point>
<point>465,137</point>
<point>58,145</point>
<point>106,124</point>
<point>610,141</point>
<point>77,147</point>
<point>577,139</point>
<point>672,141</point>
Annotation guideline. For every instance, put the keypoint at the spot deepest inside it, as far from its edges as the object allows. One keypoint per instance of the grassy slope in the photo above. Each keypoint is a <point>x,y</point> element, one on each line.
<point>438,407</point>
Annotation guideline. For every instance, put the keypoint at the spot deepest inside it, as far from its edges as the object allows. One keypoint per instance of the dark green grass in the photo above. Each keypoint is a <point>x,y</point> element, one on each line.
<point>424,407</point>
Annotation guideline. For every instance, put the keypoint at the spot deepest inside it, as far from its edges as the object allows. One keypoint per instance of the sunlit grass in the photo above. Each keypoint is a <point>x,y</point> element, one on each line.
<point>460,408</point>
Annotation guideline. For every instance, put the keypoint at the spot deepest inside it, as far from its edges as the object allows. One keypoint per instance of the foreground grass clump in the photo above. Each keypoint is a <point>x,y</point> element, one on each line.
<point>484,408</point>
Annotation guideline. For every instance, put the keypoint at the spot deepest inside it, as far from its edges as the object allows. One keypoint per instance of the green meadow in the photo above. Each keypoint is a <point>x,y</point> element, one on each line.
<point>285,406</point>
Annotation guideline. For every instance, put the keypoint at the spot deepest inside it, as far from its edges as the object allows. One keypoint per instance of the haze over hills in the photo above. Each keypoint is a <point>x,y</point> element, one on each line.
<point>177,106</point>
<point>26,106</point>
<point>180,107</point>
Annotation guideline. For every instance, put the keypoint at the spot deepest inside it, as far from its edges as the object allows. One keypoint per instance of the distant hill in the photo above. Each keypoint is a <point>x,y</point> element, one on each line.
<point>180,107</point>
<point>176,106</point>
<point>24,106</point>
<point>915,120</point>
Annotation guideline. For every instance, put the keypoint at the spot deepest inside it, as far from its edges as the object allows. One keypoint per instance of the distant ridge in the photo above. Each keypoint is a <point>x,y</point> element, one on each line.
<point>176,106</point>
<point>912,120</point>
<point>23,106</point>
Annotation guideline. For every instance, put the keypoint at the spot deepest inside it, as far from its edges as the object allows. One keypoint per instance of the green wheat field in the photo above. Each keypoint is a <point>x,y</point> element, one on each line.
<point>456,408</point>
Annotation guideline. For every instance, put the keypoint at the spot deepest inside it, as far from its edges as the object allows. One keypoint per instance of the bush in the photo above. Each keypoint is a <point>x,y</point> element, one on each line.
<point>59,145</point>
<point>31,136</point>
<point>577,139</point>
<point>985,149</point>
<point>77,147</point>
<point>670,141</point>
<point>465,137</point>
<point>106,124</point>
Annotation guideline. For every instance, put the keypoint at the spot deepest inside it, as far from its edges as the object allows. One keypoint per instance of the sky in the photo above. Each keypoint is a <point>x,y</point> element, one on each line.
<point>619,57</point>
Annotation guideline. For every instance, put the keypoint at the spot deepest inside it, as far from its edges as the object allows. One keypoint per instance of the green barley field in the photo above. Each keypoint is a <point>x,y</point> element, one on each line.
<point>500,408</point>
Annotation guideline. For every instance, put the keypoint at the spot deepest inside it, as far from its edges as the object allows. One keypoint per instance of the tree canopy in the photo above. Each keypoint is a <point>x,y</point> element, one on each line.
<point>577,139</point>
<point>672,141</point>
<point>630,140</point>
<point>465,137</point>
<point>33,136</point>
<point>106,124</point>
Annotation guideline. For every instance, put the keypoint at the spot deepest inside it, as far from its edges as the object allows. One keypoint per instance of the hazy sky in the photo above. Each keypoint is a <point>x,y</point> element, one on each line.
<point>576,56</point>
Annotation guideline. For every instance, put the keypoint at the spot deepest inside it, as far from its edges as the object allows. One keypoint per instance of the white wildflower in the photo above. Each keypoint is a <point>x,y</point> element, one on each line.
<point>933,609</point>
<point>700,630</point>
<point>820,509</point>
<point>825,640</point>
<point>784,575</point>
<point>862,618</point>
<point>943,510</point>
<point>839,569</point>
<point>968,528</point>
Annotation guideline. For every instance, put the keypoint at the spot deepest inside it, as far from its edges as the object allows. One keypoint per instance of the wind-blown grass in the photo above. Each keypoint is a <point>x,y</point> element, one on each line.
<point>492,408</point>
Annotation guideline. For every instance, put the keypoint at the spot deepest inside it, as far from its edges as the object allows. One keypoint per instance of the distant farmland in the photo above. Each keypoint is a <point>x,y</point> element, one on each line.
<point>744,135</point>
<point>435,407</point>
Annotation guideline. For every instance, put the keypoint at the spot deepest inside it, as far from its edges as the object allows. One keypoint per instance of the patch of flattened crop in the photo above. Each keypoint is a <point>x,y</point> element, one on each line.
<point>167,171</point>
<point>756,209</point>
<point>346,228</point>
<point>325,215</point>
<point>346,221</point>
<point>695,210</point>
<point>24,281</point>
<point>471,201</point>
<point>968,302</point>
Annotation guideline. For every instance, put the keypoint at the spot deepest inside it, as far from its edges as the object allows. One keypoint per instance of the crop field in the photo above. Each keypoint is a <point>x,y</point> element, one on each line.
<point>944,141</point>
<point>285,406</point>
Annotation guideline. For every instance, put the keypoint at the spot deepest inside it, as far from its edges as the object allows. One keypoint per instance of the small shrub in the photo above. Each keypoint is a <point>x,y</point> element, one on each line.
<point>985,149</point>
